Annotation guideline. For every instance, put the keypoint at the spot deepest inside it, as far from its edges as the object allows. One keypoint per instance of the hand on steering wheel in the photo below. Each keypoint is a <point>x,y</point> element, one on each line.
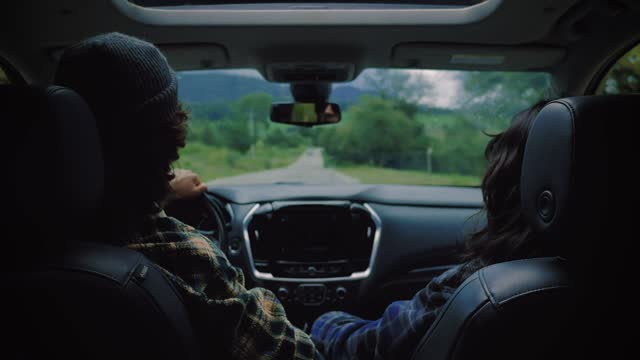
<point>186,185</point>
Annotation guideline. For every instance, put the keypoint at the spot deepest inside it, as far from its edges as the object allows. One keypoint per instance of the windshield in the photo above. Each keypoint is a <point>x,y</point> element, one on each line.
<point>411,127</point>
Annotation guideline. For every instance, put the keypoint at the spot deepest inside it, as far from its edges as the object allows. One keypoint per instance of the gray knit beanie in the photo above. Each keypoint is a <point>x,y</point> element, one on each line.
<point>120,77</point>
<point>132,91</point>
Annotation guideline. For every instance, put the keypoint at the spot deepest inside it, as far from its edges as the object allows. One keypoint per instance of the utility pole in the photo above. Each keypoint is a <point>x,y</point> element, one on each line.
<point>252,127</point>
<point>429,150</point>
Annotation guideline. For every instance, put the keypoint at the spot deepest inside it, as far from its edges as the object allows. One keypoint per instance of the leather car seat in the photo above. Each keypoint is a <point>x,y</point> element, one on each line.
<point>543,307</point>
<point>65,296</point>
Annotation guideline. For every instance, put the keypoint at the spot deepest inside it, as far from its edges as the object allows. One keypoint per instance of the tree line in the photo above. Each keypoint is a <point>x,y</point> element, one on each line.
<point>390,128</point>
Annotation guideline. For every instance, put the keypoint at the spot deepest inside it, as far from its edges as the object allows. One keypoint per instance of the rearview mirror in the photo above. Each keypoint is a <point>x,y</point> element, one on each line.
<point>306,114</point>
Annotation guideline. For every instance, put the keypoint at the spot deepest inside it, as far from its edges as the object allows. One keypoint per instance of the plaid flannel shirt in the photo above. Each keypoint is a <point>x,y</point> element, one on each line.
<point>230,320</point>
<point>396,334</point>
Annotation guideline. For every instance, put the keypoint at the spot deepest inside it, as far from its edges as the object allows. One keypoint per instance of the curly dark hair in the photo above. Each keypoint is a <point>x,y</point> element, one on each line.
<point>138,169</point>
<point>173,139</point>
<point>506,235</point>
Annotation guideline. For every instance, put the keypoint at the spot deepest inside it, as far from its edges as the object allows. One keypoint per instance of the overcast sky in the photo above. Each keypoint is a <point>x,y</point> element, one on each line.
<point>447,87</point>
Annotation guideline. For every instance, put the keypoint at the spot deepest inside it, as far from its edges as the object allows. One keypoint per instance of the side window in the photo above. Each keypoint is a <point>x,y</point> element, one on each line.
<point>3,77</point>
<point>624,75</point>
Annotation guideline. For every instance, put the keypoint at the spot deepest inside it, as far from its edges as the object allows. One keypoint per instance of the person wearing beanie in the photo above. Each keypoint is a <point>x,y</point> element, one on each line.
<point>133,94</point>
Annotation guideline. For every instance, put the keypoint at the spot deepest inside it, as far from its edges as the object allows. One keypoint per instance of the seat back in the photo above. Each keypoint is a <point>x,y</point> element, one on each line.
<point>65,296</point>
<point>92,301</point>
<point>544,307</point>
<point>500,312</point>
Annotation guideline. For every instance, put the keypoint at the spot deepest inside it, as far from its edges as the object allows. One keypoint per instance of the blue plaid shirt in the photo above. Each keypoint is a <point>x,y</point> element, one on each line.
<point>396,334</point>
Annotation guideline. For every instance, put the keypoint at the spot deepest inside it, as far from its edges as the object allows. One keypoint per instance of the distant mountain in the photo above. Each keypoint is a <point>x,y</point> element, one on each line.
<point>215,87</point>
<point>212,87</point>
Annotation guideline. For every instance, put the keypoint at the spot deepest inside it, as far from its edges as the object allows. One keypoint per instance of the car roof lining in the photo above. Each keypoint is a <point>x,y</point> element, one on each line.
<point>571,39</point>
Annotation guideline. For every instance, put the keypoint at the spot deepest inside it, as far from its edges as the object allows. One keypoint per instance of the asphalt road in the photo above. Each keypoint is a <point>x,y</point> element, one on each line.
<point>308,169</point>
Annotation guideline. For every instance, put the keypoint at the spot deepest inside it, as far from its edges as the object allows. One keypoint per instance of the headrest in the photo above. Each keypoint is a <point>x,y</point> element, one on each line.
<point>564,186</point>
<point>55,168</point>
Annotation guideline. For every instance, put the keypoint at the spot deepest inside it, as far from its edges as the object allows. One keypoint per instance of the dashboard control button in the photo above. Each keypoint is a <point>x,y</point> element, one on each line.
<point>234,245</point>
<point>341,292</point>
<point>282,293</point>
<point>311,294</point>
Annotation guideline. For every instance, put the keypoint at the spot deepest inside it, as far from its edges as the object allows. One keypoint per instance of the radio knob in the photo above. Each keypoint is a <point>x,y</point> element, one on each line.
<point>282,293</point>
<point>341,292</point>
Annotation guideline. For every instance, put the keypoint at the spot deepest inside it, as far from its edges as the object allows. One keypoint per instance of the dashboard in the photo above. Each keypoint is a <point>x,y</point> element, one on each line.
<point>353,248</point>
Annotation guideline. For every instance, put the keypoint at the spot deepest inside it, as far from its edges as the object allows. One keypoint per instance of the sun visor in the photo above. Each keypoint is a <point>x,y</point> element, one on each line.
<point>472,57</point>
<point>180,56</point>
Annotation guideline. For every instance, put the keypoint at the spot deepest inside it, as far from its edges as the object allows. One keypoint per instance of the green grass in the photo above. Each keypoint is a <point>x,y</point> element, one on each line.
<point>211,162</point>
<point>377,175</point>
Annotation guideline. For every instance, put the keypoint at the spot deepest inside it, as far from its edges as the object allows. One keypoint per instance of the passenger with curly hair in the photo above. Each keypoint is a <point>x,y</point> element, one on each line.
<point>505,237</point>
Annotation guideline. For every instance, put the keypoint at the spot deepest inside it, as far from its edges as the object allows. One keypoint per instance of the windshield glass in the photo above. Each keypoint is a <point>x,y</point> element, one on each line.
<point>412,127</point>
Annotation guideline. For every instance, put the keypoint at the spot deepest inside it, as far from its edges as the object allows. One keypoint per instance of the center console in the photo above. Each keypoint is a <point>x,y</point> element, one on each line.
<point>311,254</point>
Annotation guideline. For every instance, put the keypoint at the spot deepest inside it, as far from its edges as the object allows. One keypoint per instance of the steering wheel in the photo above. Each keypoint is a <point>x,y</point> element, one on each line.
<point>215,209</point>
<point>205,213</point>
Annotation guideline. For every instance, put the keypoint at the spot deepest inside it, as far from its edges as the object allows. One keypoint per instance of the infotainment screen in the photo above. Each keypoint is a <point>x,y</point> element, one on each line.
<point>308,234</point>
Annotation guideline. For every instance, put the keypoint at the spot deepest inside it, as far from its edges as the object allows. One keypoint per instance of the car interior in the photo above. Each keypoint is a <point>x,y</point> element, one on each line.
<point>349,246</point>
